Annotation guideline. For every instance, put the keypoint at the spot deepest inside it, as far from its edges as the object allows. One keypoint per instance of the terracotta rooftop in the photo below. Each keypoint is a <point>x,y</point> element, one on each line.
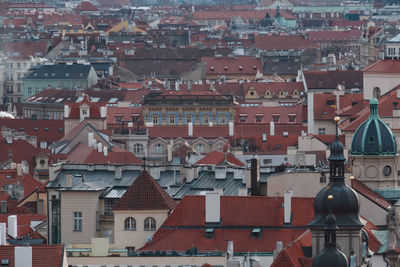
<point>42,255</point>
<point>145,194</point>
<point>370,194</point>
<point>384,66</point>
<point>217,157</point>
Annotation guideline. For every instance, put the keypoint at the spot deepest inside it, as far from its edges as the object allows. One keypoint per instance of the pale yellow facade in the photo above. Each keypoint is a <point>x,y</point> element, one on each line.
<point>136,238</point>
<point>88,204</point>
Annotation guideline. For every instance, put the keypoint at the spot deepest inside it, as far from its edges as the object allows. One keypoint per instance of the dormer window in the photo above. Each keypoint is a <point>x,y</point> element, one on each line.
<point>225,68</point>
<point>292,118</point>
<point>256,233</point>
<point>209,233</point>
<point>240,68</point>
<point>275,117</point>
<point>211,68</point>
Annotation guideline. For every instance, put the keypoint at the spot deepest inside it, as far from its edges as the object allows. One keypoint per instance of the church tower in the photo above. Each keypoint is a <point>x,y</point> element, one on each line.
<point>374,152</point>
<point>343,204</point>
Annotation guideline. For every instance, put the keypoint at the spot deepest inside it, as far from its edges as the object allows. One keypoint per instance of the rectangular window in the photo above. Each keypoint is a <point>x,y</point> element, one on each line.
<point>155,119</point>
<point>108,206</point>
<point>243,118</point>
<point>118,118</point>
<point>18,76</point>
<point>321,131</point>
<point>172,119</point>
<point>78,221</point>
<point>292,118</point>
<point>19,88</point>
<point>56,115</point>
<point>29,90</point>
<point>259,118</point>
<point>275,118</point>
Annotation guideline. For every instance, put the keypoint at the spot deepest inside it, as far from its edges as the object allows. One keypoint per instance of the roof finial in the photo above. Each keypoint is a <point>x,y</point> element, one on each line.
<point>336,120</point>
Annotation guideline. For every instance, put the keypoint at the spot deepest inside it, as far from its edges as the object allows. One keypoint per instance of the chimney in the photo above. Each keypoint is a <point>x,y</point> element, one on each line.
<point>99,147</point>
<point>118,172</point>
<point>190,129</point>
<point>68,180</point>
<point>272,128</point>
<point>155,172</point>
<point>9,139</point>
<point>213,209</point>
<point>255,176</point>
<point>19,169</point>
<point>3,234</point>
<point>3,207</point>
<point>105,151</point>
<point>103,112</point>
<point>242,192</point>
<point>90,138</point>
<point>287,205</point>
<point>278,249</point>
<point>23,256</point>
<point>66,111</point>
<point>40,206</point>
<point>231,128</point>
<point>220,172</point>
<point>189,86</point>
<point>12,226</point>
<point>230,249</point>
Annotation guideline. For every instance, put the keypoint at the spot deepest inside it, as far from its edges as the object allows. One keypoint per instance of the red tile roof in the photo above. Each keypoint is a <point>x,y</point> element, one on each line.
<point>21,150</point>
<point>325,104</point>
<point>238,216</point>
<point>334,36</point>
<point>145,194</point>
<point>86,6</point>
<point>384,66</point>
<point>331,79</point>
<point>217,157</point>
<point>293,255</point>
<point>274,88</point>
<point>23,222</point>
<point>370,194</point>
<point>42,255</point>
<point>282,42</point>
<point>45,130</point>
<point>25,49</point>
<point>232,66</point>
<point>385,108</point>
<point>267,114</point>
<point>94,111</point>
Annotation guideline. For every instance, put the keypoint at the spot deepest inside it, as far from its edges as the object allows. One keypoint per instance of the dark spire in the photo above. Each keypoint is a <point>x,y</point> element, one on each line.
<point>336,158</point>
<point>330,256</point>
<point>144,163</point>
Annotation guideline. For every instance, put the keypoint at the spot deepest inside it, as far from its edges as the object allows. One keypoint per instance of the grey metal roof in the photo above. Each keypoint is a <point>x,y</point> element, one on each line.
<point>60,71</point>
<point>93,180</point>
<point>206,182</point>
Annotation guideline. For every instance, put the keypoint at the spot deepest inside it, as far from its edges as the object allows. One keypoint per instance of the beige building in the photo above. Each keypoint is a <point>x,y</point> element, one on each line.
<point>140,212</point>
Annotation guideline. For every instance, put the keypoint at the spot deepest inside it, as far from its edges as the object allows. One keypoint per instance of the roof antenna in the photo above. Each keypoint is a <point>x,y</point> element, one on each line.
<point>144,163</point>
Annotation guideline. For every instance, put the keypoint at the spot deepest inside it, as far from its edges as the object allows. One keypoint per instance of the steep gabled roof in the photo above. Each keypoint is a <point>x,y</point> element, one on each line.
<point>217,158</point>
<point>145,194</point>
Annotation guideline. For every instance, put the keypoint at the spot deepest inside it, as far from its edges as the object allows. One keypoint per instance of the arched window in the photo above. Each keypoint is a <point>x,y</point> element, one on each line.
<point>149,224</point>
<point>130,224</point>
<point>158,148</point>
<point>377,92</point>
<point>200,147</point>
<point>137,148</point>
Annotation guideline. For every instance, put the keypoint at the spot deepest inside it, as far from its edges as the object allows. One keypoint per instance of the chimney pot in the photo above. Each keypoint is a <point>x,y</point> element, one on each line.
<point>213,208</point>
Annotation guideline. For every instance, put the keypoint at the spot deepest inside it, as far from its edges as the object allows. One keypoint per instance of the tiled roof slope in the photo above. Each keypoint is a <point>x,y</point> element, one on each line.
<point>293,255</point>
<point>218,157</point>
<point>145,194</point>
<point>235,211</point>
<point>42,255</point>
<point>94,108</point>
<point>331,79</point>
<point>371,195</point>
<point>23,50</point>
<point>385,66</point>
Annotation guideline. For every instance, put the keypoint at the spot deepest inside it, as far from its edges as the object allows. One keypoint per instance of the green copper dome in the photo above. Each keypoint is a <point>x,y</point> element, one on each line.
<point>373,137</point>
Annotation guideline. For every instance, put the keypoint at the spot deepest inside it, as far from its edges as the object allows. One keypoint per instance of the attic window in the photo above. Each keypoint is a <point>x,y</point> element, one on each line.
<point>66,74</point>
<point>211,68</point>
<point>5,262</point>
<point>225,68</point>
<point>209,233</point>
<point>254,67</point>
<point>240,67</point>
<point>330,102</point>
<point>46,129</point>
<point>36,128</point>
<point>256,233</point>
